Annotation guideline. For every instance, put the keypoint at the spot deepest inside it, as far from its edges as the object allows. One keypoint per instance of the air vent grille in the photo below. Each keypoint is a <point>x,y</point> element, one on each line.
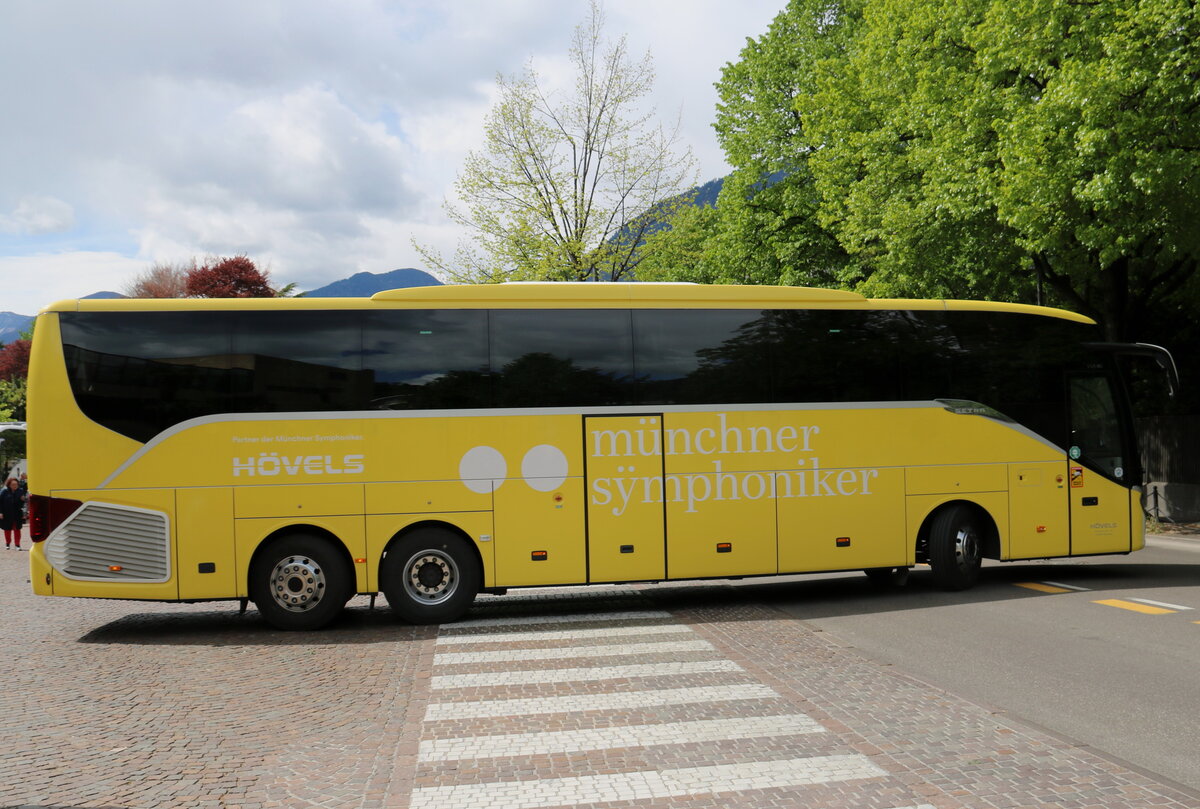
<point>105,542</point>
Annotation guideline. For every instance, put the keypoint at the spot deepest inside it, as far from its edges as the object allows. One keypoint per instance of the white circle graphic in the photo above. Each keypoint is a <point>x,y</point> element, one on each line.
<point>482,469</point>
<point>544,468</point>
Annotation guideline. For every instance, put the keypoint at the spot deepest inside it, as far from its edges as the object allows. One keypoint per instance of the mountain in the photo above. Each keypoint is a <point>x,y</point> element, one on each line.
<point>366,284</point>
<point>706,195</point>
<point>12,324</point>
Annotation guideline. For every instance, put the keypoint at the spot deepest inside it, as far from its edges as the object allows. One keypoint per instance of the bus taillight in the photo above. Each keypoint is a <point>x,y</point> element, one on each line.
<point>47,513</point>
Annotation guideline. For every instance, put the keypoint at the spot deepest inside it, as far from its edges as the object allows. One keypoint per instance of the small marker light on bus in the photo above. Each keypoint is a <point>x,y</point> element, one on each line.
<point>360,561</point>
<point>843,542</point>
<point>539,556</point>
<point>1041,529</point>
<point>115,568</point>
<point>724,547</point>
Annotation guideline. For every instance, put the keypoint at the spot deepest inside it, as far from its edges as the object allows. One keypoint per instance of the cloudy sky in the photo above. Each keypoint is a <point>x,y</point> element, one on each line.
<point>319,138</point>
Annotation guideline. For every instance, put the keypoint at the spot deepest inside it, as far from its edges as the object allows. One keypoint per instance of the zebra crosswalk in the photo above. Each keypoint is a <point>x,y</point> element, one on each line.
<point>521,706</point>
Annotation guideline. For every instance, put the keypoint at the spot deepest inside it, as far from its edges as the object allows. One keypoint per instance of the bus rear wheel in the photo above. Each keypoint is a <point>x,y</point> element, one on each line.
<point>430,576</point>
<point>955,547</point>
<point>300,582</point>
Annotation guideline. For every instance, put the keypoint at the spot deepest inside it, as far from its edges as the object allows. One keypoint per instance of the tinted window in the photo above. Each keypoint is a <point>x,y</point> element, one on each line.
<point>838,356</point>
<point>702,356</point>
<point>1014,363</point>
<point>299,361</point>
<point>548,358</point>
<point>427,359</point>
<point>141,372</point>
<point>1095,425</point>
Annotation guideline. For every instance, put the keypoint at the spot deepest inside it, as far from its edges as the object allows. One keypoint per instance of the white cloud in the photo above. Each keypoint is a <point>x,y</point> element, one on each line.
<point>316,137</point>
<point>37,215</point>
<point>38,280</point>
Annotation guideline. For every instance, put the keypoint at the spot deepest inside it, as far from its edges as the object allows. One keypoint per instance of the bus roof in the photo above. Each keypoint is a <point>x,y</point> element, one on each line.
<point>569,295</point>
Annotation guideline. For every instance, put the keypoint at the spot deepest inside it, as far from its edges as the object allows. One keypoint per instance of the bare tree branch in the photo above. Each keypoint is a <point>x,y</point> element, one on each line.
<point>567,183</point>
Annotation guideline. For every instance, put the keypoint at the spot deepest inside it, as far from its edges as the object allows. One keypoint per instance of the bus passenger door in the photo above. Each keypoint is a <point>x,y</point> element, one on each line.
<point>625,516</point>
<point>721,516</point>
<point>1100,518</point>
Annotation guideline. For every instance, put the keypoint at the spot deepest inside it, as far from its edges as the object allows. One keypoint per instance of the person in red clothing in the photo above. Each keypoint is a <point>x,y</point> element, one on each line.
<point>12,512</point>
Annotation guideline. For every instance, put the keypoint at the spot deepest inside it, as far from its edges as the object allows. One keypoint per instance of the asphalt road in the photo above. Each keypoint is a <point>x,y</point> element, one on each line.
<point>700,694</point>
<point>1123,682</point>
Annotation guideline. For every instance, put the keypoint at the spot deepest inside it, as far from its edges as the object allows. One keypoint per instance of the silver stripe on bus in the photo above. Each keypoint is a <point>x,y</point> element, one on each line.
<point>614,410</point>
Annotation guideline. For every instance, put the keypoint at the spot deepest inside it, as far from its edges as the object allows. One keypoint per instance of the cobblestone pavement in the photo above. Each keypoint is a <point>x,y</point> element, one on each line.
<point>614,697</point>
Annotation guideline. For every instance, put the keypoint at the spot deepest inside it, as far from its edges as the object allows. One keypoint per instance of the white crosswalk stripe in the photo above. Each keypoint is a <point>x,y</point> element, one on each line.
<point>648,785</point>
<point>567,634</point>
<point>517,663</point>
<point>580,675</point>
<point>566,652</point>
<point>620,701</point>
<point>570,741</point>
<point>579,617</point>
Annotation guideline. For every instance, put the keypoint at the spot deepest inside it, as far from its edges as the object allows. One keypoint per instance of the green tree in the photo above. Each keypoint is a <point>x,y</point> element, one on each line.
<point>685,250</point>
<point>566,187</point>
<point>13,393</point>
<point>14,370</point>
<point>765,229</point>
<point>986,148</point>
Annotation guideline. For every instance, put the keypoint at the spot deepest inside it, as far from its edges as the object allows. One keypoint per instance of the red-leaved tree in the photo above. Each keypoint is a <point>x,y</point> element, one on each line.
<point>235,277</point>
<point>161,280</point>
<point>14,360</point>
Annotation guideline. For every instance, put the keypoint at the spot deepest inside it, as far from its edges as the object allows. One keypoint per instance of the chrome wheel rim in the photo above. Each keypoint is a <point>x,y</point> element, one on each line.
<point>297,583</point>
<point>966,548</point>
<point>430,577</point>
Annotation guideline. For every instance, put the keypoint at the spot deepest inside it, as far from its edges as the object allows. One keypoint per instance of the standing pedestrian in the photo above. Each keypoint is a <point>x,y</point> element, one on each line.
<point>23,485</point>
<point>12,512</point>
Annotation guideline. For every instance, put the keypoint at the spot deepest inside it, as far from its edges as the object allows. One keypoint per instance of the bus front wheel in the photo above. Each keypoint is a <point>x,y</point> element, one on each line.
<point>430,576</point>
<point>955,547</point>
<point>300,582</point>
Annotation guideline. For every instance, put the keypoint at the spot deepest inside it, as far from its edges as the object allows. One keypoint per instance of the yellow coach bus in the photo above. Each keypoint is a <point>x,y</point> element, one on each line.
<point>438,442</point>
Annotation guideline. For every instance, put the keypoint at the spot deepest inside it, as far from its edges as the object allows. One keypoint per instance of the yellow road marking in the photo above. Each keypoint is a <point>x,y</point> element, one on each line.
<point>1134,607</point>
<point>1042,588</point>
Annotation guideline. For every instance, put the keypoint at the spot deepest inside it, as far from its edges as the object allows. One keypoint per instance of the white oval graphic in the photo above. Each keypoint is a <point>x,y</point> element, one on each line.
<point>544,468</point>
<point>482,469</point>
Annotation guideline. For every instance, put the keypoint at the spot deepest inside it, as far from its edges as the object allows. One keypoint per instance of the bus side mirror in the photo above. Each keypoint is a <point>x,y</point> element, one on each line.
<point>1160,355</point>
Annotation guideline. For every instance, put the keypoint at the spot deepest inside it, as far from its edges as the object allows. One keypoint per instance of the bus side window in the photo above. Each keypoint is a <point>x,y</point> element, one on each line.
<point>560,357</point>
<point>702,356</point>
<point>832,356</point>
<point>139,373</point>
<point>299,361</point>
<point>427,359</point>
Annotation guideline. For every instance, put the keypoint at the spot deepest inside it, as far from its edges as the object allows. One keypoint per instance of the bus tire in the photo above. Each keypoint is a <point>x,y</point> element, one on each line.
<point>300,582</point>
<point>430,576</point>
<point>884,577</point>
<point>955,547</point>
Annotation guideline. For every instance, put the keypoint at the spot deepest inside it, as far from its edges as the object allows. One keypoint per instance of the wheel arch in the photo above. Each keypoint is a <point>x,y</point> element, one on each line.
<point>306,529</point>
<point>426,524</point>
<point>986,520</point>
